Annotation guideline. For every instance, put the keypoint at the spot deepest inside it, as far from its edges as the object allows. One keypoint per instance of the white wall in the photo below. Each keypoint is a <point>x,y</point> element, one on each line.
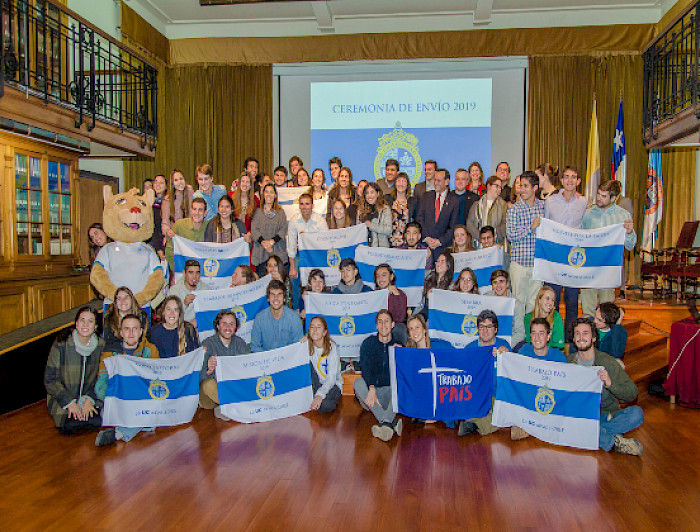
<point>105,14</point>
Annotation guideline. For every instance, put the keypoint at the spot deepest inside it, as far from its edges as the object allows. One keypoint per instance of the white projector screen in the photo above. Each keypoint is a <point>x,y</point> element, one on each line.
<point>453,112</point>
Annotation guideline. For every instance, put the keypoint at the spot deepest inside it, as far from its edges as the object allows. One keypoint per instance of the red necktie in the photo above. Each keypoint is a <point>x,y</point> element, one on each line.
<point>437,206</point>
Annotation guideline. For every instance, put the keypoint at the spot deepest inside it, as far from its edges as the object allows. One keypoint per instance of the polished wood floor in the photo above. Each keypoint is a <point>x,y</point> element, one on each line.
<point>325,473</point>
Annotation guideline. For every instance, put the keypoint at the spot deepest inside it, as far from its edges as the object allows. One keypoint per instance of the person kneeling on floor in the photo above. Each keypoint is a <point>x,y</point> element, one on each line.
<point>617,387</point>
<point>326,380</point>
<point>373,388</point>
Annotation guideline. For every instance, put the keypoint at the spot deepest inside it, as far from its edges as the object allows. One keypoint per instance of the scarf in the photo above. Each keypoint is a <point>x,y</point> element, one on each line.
<point>355,288</point>
<point>82,349</point>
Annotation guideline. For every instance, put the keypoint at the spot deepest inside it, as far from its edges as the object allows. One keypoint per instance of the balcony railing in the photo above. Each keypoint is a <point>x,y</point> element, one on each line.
<point>51,53</point>
<point>671,72</point>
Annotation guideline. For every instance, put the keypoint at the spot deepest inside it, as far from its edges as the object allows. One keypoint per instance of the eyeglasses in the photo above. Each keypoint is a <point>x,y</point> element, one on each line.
<point>485,327</point>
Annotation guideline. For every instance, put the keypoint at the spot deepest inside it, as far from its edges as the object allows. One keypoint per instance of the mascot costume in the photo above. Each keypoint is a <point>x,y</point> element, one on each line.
<point>128,261</point>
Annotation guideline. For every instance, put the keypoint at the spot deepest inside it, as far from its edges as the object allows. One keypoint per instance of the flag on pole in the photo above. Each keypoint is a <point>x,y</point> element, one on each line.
<point>325,250</point>
<point>579,258</point>
<point>408,266</point>
<point>452,316</point>
<point>619,158</point>
<point>552,401</point>
<point>159,392</point>
<point>245,301</point>
<point>442,384</point>
<point>654,201</point>
<point>593,158</point>
<point>264,386</point>
<point>350,317</point>
<point>217,262</point>
<point>482,262</point>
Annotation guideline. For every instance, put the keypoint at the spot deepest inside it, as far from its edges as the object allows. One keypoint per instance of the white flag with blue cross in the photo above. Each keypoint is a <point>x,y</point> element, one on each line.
<point>158,392</point>
<point>325,250</point>
<point>579,258</point>
<point>552,401</point>
<point>217,261</point>
<point>452,316</point>
<point>408,266</point>
<point>350,317</point>
<point>265,386</point>
<point>245,301</point>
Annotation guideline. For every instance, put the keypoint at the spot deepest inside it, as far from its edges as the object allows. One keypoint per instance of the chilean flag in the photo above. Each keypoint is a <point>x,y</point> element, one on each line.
<point>619,158</point>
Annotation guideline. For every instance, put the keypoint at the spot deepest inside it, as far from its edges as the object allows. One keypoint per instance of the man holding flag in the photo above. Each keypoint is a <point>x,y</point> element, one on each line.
<point>603,214</point>
<point>617,386</point>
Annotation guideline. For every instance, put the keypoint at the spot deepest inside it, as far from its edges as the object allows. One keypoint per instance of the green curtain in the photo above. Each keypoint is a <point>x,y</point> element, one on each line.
<point>209,114</point>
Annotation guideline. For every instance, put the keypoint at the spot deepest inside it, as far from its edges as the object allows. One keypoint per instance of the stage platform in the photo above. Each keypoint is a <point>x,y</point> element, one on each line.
<point>326,472</point>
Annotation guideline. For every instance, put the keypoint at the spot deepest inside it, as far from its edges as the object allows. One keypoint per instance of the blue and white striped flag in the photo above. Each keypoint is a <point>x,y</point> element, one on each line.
<point>288,199</point>
<point>554,402</point>
<point>408,265</point>
<point>579,258</point>
<point>217,261</point>
<point>144,392</point>
<point>246,301</point>
<point>264,386</point>
<point>325,250</point>
<point>483,262</point>
<point>350,317</point>
<point>452,316</point>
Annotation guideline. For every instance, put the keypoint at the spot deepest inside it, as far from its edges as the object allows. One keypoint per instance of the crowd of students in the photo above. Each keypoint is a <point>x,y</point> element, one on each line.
<point>475,215</point>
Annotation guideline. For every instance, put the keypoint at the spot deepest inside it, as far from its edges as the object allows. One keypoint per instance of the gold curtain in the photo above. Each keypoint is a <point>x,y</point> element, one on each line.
<point>141,35</point>
<point>678,167</point>
<point>210,114</point>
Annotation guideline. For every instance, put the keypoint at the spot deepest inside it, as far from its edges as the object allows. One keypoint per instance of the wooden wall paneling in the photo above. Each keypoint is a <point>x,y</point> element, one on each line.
<point>13,309</point>
<point>79,293</point>
<point>48,300</point>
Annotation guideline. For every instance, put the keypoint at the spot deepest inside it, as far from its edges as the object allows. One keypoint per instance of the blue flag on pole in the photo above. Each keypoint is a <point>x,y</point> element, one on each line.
<point>246,301</point>
<point>325,250</point>
<point>482,262</point>
<point>408,266</point>
<point>579,258</point>
<point>217,262</point>
<point>144,392</point>
<point>452,316</point>
<point>554,402</point>
<point>265,386</point>
<point>442,384</point>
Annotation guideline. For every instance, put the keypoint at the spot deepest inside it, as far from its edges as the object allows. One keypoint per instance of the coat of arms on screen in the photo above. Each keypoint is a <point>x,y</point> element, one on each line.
<point>403,147</point>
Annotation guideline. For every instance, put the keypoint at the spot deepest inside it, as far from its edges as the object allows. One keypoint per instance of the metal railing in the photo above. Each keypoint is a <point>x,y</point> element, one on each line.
<point>671,72</point>
<point>51,53</point>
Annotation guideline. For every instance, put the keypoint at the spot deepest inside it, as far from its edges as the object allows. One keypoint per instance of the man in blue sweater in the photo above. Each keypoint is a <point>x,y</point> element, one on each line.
<point>373,388</point>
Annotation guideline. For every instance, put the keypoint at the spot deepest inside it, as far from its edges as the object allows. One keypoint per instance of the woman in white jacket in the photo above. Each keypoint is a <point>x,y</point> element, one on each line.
<point>376,214</point>
<point>326,380</point>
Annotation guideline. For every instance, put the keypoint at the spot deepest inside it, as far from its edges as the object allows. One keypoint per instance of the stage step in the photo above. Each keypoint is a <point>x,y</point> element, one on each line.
<point>349,383</point>
<point>631,326</point>
<point>643,341</point>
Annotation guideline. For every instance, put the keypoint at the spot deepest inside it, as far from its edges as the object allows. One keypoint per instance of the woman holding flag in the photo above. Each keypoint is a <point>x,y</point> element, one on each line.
<point>326,380</point>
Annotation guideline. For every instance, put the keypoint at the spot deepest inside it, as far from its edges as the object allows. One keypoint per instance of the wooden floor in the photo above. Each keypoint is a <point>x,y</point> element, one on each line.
<point>325,473</point>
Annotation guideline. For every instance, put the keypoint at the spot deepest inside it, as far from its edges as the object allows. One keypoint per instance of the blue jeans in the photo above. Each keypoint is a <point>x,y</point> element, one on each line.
<point>624,421</point>
<point>570,304</point>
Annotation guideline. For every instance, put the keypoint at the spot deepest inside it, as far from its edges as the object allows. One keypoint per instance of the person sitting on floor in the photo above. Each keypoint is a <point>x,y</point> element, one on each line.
<point>124,303</point>
<point>223,343</point>
<point>373,388</point>
<point>617,388</point>
<point>326,380</point>
<point>487,328</point>
<point>544,308</point>
<point>134,343</point>
<point>173,336</point>
<point>71,374</point>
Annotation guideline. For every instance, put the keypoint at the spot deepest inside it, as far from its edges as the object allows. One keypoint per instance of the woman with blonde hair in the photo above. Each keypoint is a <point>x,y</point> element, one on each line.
<point>173,336</point>
<point>544,308</point>
<point>317,189</point>
<point>460,240</point>
<point>338,216</point>
<point>476,176</point>
<point>245,201</point>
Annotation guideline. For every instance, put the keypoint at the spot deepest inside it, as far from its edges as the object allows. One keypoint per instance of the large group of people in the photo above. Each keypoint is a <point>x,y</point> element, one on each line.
<point>479,213</point>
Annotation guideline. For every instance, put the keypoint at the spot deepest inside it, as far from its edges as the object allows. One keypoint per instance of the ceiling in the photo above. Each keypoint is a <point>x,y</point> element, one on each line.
<point>187,18</point>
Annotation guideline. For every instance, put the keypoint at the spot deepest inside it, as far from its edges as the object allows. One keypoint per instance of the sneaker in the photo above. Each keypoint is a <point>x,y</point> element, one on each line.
<point>466,428</point>
<point>398,426</point>
<point>417,421</point>
<point>217,413</point>
<point>384,432</point>
<point>105,437</point>
<point>516,433</point>
<point>627,445</point>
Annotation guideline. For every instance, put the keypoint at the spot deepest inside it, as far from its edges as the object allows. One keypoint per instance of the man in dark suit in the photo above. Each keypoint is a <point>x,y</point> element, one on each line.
<point>437,214</point>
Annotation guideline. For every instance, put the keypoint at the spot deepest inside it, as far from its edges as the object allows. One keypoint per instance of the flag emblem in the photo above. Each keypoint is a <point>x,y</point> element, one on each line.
<point>158,390</point>
<point>469,325</point>
<point>265,388</point>
<point>347,326</point>
<point>544,401</point>
<point>333,258</point>
<point>322,366</point>
<point>211,267</point>
<point>241,316</point>
<point>577,257</point>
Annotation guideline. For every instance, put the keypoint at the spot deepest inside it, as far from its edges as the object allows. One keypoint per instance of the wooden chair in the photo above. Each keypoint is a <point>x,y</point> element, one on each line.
<point>667,264</point>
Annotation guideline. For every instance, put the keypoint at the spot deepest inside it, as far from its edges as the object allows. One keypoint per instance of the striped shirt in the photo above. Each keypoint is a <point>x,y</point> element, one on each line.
<point>520,232</point>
